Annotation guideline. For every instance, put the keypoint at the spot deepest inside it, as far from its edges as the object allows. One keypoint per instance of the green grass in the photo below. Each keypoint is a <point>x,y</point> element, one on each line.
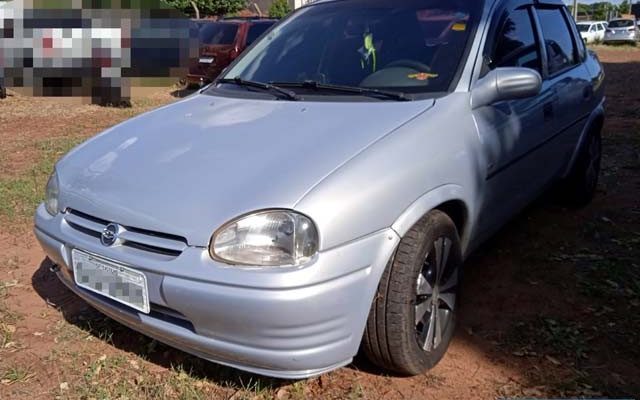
<point>16,374</point>
<point>8,318</point>
<point>21,194</point>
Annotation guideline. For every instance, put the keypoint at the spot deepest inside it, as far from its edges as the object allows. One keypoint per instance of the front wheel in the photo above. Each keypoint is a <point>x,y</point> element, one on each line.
<point>412,318</point>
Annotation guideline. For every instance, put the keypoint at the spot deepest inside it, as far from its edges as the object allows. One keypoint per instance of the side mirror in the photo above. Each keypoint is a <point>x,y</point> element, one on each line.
<point>505,84</point>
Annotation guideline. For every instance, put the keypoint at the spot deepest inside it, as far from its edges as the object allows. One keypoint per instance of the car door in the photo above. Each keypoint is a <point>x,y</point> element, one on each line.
<point>513,132</point>
<point>568,77</point>
<point>592,33</point>
<point>601,30</point>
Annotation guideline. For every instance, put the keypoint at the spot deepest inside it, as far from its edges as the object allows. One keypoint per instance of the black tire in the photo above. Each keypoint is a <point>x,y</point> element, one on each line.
<point>3,92</point>
<point>579,188</point>
<point>391,338</point>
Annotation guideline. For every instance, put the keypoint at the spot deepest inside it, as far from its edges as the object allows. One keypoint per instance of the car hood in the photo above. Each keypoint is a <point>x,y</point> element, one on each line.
<point>187,168</point>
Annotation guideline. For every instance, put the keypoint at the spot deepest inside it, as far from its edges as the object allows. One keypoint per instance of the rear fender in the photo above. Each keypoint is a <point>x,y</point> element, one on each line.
<point>596,117</point>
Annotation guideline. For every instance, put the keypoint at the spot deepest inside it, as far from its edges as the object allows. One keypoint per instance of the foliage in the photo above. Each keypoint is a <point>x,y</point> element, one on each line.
<point>279,9</point>
<point>208,7</point>
<point>601,11</point>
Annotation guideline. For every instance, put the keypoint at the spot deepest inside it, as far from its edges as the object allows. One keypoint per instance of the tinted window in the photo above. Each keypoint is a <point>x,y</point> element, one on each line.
<point>558,39</point>
<point>516,44</point>
<point>416,45</point>
<point>256,30</point>
<point>218,33</point>
<point>621,23</point>
<point>583,28</point>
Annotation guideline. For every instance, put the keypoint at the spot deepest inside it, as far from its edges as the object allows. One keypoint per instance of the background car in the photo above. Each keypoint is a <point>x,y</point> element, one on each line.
<point>221,42</point>
<point>622,30</point>
<point>592,31</point>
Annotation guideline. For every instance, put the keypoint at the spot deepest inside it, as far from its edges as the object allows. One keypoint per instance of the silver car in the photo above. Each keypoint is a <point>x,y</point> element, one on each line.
<point>321,196</point>
<point>622,30</point>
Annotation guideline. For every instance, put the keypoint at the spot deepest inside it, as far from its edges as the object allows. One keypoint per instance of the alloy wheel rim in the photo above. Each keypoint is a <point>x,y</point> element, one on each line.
<point>435,295</point>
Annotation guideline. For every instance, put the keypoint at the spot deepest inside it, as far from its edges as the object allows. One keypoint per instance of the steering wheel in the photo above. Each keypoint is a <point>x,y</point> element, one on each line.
<point>406,63</point>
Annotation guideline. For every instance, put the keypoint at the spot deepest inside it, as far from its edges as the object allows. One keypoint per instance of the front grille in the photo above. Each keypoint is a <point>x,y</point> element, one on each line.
<point>136,238</point>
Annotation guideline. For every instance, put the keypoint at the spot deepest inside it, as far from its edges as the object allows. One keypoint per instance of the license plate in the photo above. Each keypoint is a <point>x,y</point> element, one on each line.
<point>207,60</point>
<point>111,279</point>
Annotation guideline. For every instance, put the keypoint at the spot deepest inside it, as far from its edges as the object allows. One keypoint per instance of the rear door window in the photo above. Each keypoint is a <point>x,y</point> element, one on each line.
<point>559,43</point>
<point>256,30</point>
<point>218,33</point>
<point>516,44</point>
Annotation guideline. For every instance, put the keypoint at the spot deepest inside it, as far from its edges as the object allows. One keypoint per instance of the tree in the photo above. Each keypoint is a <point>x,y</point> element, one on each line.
<point>209,7</point>
<point>624,7</point>
<point>279,9</point>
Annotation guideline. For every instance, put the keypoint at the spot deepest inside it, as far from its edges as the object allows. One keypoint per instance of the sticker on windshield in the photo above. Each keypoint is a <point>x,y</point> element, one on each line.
<point>459,27</point>
<point>422,76</point>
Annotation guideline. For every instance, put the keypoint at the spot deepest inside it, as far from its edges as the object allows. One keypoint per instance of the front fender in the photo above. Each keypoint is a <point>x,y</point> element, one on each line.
<point>430,201</point>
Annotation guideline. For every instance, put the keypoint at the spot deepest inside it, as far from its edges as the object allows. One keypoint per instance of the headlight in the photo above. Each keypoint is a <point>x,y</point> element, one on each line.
<point>51,195</point>
<point>267,238</point>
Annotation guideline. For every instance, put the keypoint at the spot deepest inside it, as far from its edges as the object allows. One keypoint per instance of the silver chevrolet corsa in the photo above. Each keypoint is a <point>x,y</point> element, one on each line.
<point>321,196</point>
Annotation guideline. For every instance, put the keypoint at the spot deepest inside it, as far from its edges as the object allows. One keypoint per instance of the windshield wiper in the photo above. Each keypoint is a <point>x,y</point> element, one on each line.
<point>263,86</point>
<point>399,96</point>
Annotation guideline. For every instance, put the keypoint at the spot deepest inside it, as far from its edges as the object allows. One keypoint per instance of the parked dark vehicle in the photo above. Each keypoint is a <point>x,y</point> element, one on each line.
<point>221,42</point>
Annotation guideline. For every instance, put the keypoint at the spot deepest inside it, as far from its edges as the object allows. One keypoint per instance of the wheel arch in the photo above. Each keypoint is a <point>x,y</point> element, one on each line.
<point>595,121</point>
<point>449,199</point>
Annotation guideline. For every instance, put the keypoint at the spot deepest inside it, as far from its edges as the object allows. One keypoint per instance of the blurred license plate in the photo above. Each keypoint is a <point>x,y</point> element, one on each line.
<point>110,279</point>
<point>207,60</point>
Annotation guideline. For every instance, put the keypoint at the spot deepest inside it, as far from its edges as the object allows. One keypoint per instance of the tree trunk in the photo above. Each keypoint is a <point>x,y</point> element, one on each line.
<point>195,8</point>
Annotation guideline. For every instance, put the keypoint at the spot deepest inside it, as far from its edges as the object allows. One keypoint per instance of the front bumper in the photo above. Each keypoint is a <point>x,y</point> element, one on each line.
<point>287,323</point>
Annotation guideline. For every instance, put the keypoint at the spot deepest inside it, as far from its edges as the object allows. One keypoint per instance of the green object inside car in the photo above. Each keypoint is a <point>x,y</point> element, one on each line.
<point>369,55</point>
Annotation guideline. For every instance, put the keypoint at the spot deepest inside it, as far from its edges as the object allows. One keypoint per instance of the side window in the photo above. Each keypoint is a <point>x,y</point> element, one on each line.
<point>561,51</point>
<point>592,29</point>
<point>515,44</point>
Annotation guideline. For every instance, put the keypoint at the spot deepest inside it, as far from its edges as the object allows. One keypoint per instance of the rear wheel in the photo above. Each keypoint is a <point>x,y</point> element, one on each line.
<point>412,318</point>
<point>580,186</point>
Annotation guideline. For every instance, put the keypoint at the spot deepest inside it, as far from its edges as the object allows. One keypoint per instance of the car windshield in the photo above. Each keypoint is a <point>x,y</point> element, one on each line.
<point>218,33</point>
<point>621,23</point>
<point>583,27</point>
<point>411,46</point>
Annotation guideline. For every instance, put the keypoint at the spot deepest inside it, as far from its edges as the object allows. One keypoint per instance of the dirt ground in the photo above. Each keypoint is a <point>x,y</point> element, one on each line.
<point>551,305</point>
